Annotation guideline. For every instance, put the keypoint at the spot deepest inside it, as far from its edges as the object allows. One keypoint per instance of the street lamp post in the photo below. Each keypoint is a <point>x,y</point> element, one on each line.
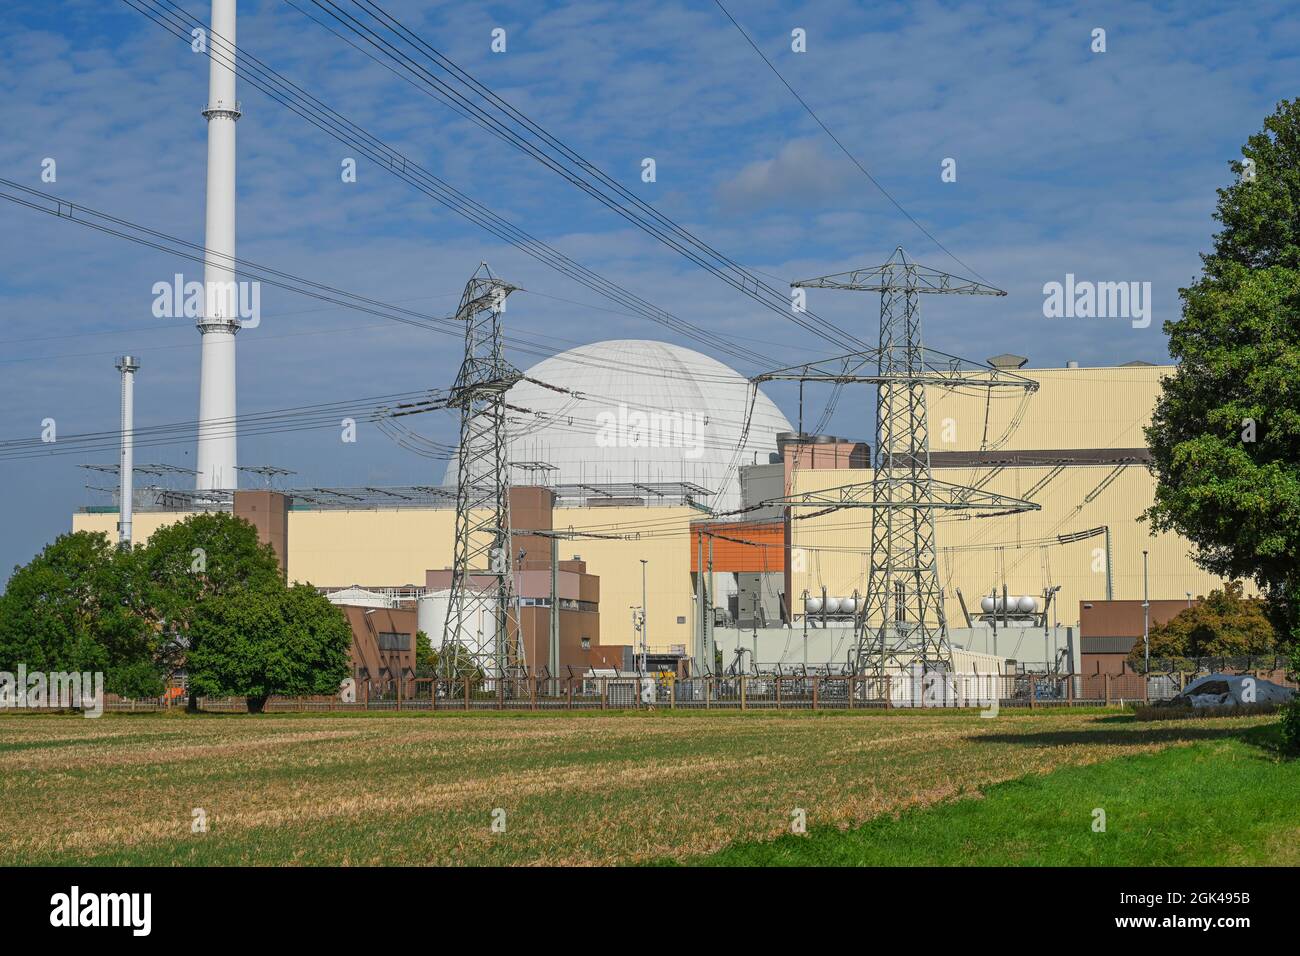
<point>644,616</point>
<point>1146,616</point>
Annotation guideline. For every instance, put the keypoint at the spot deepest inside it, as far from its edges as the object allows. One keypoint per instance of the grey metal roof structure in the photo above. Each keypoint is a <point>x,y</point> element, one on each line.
<point>156,498</point>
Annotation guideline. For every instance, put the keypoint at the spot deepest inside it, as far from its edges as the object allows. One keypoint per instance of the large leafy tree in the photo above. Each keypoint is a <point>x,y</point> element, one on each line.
<point>1225,437</point>
<point>78,605</point>
<point>1222,624</point>
<point>205,558</point>
<point>273,639</point>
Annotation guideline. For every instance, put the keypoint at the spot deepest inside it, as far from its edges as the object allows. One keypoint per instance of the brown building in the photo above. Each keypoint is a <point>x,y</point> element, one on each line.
<point>268,512</point>
<point>383,643</point>
<point>1109,629</point>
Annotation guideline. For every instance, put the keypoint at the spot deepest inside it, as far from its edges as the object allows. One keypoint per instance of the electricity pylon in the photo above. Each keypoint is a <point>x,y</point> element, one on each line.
<point>481,619</point>
<point>903,623</point>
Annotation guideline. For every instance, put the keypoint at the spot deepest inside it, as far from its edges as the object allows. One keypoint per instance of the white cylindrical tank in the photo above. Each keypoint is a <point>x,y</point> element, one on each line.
<point>478,635</point>
<point>832,605</point>
<point>1027,604</point>
<point>431,614</point>
<point>848,605</point>
<point>813,605</point>
<point>987,605</point>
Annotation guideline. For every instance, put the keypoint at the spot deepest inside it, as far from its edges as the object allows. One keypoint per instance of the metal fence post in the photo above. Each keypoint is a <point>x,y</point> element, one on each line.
<point>742,692</point>
<point>604,692</point>
<point>778,693</point>
<point>817,683</point>
<point>1107,688</point>
<point>1033,691</point>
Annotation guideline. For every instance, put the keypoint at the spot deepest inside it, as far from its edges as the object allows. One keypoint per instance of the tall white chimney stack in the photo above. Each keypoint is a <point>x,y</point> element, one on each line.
<point>220,319</point>
<point>126,463</point>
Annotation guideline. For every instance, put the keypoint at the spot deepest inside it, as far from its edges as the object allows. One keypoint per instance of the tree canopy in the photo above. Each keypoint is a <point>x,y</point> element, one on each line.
<point>138,615</point>
<point>1223,624</point>
<point>1225,436</point>
<point>76,607</point>
<point>274,639</point>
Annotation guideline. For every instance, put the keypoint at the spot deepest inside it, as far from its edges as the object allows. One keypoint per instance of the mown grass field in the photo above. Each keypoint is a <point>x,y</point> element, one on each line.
<point>626,788</point>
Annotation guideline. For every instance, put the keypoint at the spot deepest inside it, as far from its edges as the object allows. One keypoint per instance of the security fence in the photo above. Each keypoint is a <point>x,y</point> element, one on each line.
<point>756,691</point>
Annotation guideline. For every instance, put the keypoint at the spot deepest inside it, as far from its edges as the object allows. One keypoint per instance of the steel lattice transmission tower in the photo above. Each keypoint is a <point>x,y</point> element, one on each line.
<point>481,620</point>
<point>903,622</point>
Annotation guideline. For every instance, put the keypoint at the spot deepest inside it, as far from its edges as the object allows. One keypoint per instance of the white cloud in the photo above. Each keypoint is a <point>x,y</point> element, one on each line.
<point>802,172</point>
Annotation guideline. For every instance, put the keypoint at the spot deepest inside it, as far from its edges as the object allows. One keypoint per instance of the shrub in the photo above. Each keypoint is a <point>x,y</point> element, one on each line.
<point>1291,727</point>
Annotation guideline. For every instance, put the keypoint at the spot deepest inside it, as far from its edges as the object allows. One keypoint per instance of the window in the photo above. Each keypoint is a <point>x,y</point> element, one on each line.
<point>586,643</point>
<point>393,641</point>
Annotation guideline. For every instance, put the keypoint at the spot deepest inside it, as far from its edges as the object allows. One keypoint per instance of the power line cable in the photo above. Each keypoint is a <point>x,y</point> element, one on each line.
<point>283,91</point>
<point>844,149</point>
<point>510,125</point>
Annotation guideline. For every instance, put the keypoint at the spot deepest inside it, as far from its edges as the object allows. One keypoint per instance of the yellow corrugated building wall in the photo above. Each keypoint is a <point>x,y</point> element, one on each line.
<point>1074,409</point>
<point>390,547</point>
<point>1084,408</point>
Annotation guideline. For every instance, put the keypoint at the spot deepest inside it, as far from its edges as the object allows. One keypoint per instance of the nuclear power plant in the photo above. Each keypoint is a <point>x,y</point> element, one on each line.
<point>637,504</point>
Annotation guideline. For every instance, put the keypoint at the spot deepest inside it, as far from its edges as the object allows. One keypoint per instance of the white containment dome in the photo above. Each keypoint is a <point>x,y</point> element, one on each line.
<point>633,410</point>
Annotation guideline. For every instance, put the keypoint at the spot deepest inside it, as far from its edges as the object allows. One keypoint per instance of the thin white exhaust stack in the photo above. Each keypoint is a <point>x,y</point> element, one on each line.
<point>216,458</point>
<point>126,463</point>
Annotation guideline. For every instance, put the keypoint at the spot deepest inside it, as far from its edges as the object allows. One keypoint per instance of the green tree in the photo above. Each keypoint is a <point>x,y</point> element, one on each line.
<point>426,658</point>
<point>255,642</point>
<point>1291,715</point>
<point>1224,624</point>
<point>1225,436</point>
<point>189,563</point>
<point>78,606</point>
<point>456,663</point>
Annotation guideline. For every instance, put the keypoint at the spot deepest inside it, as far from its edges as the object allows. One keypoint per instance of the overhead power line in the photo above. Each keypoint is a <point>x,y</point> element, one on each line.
<point>844,149</point>
<point>256,73</point>
<point>274,421</point>
<point>537,345</point>
<point>444,80</point>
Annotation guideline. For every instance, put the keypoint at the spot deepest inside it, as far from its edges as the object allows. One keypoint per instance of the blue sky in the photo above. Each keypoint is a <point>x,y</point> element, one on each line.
<point>1101,165</point>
